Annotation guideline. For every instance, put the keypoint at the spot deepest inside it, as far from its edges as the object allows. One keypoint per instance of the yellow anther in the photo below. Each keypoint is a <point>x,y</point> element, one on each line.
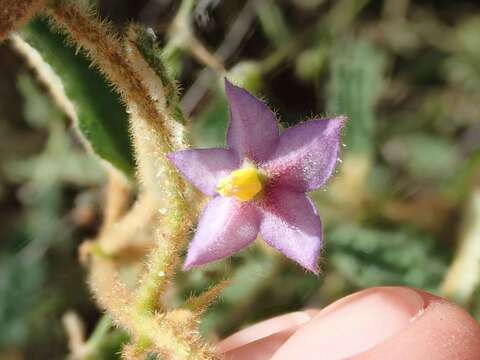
<point>243,183</point>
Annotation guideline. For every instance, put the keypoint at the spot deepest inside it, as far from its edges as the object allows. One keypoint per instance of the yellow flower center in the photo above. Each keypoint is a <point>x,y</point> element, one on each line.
<point>243,183</point>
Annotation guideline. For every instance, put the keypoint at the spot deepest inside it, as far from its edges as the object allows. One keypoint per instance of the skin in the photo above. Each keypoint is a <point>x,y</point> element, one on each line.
<point>373,324</point>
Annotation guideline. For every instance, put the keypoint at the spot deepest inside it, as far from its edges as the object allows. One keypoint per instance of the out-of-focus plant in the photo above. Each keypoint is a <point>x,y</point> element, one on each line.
<point>355,85</point>
<point>27,297</point>
<point>405,196</point>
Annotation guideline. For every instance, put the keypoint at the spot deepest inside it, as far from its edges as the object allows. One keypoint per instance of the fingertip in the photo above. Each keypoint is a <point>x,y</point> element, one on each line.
<point>375,324</point>
<point>443,331</point>
<point>386,323</point>
<point>353,324</point>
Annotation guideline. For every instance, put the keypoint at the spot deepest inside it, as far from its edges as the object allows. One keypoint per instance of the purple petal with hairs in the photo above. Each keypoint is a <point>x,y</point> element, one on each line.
<point>204,167</point>
<point>301,159</point>
<point>253,130</point>
<point>291,225</point>
<point>226,226</point>
<point>306,154</point>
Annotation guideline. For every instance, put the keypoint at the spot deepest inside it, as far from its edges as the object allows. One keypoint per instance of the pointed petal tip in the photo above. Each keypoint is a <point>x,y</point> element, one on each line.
<point>173,157</point>
<point>315,269</point>
<point>339,119</point>
<point>334,123</point>
<point>228,84</point>
<point>309,265</point>
<point>186,266</point>
<point>190,263</point>
<point>233,90</point>
<point>253,128</point>
<point>307,154</point>
<point>338,122</point>
<point>170,157</point>
<point>342,119</point>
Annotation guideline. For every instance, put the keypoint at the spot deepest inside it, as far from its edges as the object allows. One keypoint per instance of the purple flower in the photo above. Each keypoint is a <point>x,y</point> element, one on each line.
<point>258,184</point>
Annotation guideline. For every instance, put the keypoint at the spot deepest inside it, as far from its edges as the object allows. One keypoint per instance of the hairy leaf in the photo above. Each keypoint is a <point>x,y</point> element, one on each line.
<point>100,117</point>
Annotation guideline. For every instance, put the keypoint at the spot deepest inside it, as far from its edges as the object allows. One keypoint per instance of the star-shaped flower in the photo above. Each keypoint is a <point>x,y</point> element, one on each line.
<point>258,183</point>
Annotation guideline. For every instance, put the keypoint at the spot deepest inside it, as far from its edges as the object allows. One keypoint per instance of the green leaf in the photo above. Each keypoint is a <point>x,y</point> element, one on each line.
<point>101,118</point>
<point>372,257</point>
<point>355,83</point>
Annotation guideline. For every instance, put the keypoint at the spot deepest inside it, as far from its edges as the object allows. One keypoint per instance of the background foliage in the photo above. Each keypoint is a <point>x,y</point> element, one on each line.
<point>405,72</point>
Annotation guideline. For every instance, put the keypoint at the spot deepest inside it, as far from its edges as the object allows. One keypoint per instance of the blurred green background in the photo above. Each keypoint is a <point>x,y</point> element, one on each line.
<point>406,72</point>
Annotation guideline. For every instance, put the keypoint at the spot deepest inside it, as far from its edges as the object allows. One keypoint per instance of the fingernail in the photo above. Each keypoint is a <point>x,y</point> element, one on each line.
<point>354,324</point>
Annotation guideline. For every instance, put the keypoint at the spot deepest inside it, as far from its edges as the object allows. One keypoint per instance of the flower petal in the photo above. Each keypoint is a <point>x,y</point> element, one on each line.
<point>291,225</point>
<point>253,130</point>
<point>226,226</point>
<point>306,154</point>
<point>204,167</point>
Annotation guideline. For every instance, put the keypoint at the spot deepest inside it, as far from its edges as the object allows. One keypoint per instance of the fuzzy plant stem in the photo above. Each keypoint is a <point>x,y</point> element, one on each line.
<point>15,13</point>
<point>105,50</point>
<point>160,181</point>
<point>155,133</point>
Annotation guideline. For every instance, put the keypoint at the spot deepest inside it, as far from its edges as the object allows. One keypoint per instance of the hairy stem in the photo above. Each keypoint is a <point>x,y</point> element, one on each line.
<point>110,292</point>
<point>105,50</point>
<point>156,129</point>
<point>172,339</point>
<point>15,13</point>
<point>160,269</point>
<point>199,304</point>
